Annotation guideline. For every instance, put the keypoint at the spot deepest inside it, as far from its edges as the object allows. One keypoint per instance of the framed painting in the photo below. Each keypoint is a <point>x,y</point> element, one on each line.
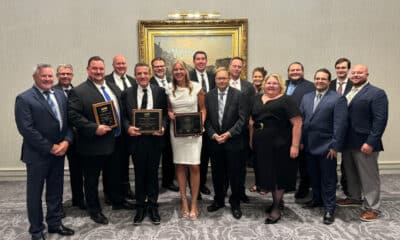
<point>179,39</point>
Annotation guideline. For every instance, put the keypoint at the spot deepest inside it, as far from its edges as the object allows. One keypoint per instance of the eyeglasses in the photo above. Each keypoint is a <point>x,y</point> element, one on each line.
<point>160,66</point>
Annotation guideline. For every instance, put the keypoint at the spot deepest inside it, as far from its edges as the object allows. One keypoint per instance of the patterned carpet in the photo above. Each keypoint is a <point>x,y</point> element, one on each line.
<point>296,222</point>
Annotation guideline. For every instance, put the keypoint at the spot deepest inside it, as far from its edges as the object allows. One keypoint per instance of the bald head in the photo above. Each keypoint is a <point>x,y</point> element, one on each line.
<point>359,75</point>
<point>119,64</point>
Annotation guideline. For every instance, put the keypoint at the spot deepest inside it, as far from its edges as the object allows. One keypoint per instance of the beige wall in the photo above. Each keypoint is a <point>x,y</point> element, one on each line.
<point>313,32</point>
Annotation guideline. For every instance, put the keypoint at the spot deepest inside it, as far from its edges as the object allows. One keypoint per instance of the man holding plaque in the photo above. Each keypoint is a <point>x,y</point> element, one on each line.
<point>167,165</point>
<point>122,81</point>
<point>207,81</point>
<point>94,110</point>
<point>226,115</point>
<point>146,129</point>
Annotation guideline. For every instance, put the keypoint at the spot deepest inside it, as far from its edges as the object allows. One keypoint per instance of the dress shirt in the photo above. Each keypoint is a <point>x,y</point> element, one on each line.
<point>235,84</point>
<point>205,76</point>
<point>119,83</point>
<point>110,92</point>
<point>54,101</point>
<point>353,92</point>
<point>221,104</point>
<point>344,84</point>
<point>291,87</point>
<point>149,97</point>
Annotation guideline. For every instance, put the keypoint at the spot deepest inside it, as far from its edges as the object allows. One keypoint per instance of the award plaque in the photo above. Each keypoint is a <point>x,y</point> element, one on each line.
<point>188,124</point>
<point>104,114</point>
<point>147,120</point>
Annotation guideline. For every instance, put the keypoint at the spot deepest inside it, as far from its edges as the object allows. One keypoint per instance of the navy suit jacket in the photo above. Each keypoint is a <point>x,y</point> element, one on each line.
<point>39,126</point>
<point>233,119</point>
<point>210,76</point>
<point>80,115</point>
<point>129,102</point>
<point>349,85</point>
<point>303,86</point>
<point>368,115</point>
<point>325,128</point>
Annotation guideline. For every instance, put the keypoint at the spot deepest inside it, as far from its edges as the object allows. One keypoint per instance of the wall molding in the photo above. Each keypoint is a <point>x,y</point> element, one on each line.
<point>19,174</point>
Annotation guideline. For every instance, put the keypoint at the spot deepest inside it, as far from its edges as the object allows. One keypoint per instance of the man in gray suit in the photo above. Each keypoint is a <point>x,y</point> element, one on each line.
<point>224,124</point>
<point>248,92</point>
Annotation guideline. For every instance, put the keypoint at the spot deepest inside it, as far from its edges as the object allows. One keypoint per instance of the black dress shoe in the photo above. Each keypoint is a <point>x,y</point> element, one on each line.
<point>123,205</point>
<point>130,195</point>
<point>154,216</point>
<point>329,218</point>
<point>301,193</point>
<point>172,187</point>
<point>236,213</point>
<point>61,230</point>
<point>99,218</point>
<point>140,214</point>
<point>205,190</point>
<point>214,207</point>
<point>272,221</point>
<point>244,199</point>
<point>39,236</point>
<point>312,204</point>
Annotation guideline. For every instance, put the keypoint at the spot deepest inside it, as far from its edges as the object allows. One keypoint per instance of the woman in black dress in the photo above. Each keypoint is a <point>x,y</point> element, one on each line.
<point>276,137</point>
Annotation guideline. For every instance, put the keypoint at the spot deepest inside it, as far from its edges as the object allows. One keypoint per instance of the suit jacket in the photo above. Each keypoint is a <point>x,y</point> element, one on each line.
<point>80,115</point>
<point>110,79</point>
<point>153,81</point>
<point>210,76</point>
<point>39,126</point>
<point>248,92</point>
<point>233,119</point>
<point>368,115</point>
<point>349,85</point>
<point>129,102</point>
<point>303,86</point>
<point>325,128</point>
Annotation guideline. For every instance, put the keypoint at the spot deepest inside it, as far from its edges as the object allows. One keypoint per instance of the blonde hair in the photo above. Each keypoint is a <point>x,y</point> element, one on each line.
<point>188,82</point>
<point>280,81</point>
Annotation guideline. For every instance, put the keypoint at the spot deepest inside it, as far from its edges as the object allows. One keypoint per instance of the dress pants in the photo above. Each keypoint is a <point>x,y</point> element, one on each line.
<point>204,160</point>
<point>75,175</point>
<point>363,178</point>
<point>146,160</point>
<point>123,156</point>
<point>167,164</point>
<point>303,171</point>
<point>226,164</point>
<point>322,172</point>
<point>48,171</point>
<point>245,158</point>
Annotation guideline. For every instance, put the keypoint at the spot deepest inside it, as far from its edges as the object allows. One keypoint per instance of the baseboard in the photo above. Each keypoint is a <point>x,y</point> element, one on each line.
<point>19,174</point>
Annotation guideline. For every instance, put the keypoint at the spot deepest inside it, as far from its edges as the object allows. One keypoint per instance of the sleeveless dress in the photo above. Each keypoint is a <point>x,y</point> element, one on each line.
<point>186,150</point>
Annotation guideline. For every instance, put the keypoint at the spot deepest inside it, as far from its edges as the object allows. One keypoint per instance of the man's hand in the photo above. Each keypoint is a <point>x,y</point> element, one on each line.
<point>134,131</point>
<point>102,129</point>
<point>331,154</point>
<point>367,149</point>
<point>159,133</point>
<point>60,149</point>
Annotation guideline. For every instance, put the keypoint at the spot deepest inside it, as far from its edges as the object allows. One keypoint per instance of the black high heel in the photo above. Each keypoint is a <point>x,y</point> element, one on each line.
<point>272,221</point>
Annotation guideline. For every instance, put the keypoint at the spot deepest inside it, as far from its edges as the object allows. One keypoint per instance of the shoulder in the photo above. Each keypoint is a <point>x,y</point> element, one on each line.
<point>109,77</point>
<point>27,93</point>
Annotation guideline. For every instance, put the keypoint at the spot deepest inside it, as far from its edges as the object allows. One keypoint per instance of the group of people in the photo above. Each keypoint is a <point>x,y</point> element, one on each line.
<point>283,127</point>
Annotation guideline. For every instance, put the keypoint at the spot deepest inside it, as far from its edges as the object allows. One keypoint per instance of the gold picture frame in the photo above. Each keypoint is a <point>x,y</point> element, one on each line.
<point>179,39</point>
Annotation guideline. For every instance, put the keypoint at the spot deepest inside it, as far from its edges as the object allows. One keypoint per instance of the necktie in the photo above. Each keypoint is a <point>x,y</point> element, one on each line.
<point>351,95</point>
<point>221,107</point>
<point>117,130</point>
<point>340,88</point>
<point>67,91</point>
<point>164,84</point>
<point>52,106</point>
<point>203,82</point>
<point>124,83</point>
<point>144,99</point>
<point>317,99</point>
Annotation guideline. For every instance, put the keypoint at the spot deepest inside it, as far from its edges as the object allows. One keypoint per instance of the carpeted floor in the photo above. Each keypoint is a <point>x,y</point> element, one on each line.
<point>296,222</point>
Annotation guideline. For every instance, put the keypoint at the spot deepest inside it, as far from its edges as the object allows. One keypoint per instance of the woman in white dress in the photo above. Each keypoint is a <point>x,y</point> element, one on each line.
<point>185,96</point>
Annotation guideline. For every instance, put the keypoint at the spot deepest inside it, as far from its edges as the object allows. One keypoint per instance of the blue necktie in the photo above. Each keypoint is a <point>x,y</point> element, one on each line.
<point>117,131</point>
<point>52,105</point>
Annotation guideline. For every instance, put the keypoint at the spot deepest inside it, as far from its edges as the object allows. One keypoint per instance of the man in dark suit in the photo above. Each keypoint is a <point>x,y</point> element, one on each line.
<point>248,92</point>
<point>167,165</point>
<point>146,148</point>
<point>65,73</point>
<point>96,143</point>
<point>324,127</point>
<point>122,81</point>
<point>207,81</point>
<point>296,87</point>
<point>41,118</point>
<point>226,114</point>
<point>368,115</point>
<point>342,85</point>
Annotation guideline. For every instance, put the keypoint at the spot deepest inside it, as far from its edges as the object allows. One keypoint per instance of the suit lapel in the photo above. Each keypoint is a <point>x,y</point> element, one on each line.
<point>360,93</point>
<point>40,98</point>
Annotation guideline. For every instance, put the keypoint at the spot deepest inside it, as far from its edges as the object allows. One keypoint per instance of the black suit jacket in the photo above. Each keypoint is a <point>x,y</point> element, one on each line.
<point>129,102</point>
<point>303,86</point>
<point>349,85</point>
<point>110,79</point>
<point>80,115</point>
<point>153,81</point>
<point>210,76</point>
<point>233,119</point>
